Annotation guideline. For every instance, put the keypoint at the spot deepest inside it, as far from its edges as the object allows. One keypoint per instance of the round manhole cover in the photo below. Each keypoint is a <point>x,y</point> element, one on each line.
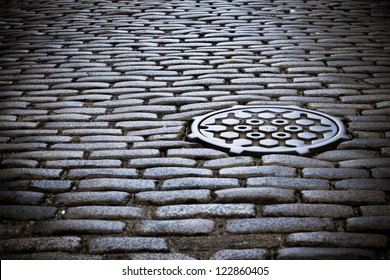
<point>258,130</point>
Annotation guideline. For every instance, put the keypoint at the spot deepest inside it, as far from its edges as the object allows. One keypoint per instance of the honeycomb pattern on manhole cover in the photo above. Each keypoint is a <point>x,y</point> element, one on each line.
<point>258,130</point>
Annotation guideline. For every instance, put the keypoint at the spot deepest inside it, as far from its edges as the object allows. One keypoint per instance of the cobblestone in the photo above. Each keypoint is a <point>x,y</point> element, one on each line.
<point>363,184</point>
<point>341,155</point>
<point>110,184</point>
<point>310,253</point>
<point>21,197</point>
<point>352,197</point>
<point>335,173</point>
<point>196,153</point>
<point>252,171</point>
<point>97,105</point>
<point>368,224</point>
<point>166,172</point>
<point>103,212</point>
<point>174,197</point>
<point>288,183</point>
<point>175,227</point>
<point>228,162</point>
<point>244,254</point>
<point>201,183</point>
<point>255,195</point>
<point>161,256</point>
<point>40,244</point>
<point>273,225</point>
<point>24,212</point>
<point>337,239</point>
<point>205,211</point>
<point>91,198</point>
<point>127,244</point>
<point>28,173</point>
<point>309,210</point>
<point>79,227</point>
<point>294,161</point>
<point>125,154</point>
<point>154,162</point>
<point>375,210</point>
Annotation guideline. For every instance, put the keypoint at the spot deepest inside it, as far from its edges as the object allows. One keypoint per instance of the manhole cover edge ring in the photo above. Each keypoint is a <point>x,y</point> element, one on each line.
<point>340,135</point>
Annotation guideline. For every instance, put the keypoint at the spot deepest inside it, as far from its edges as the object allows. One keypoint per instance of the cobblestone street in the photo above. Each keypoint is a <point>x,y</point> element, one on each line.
<point>97,100</point>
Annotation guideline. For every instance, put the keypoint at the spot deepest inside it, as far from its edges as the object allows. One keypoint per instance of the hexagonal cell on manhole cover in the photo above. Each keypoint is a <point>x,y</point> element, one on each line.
<point>258,130</point>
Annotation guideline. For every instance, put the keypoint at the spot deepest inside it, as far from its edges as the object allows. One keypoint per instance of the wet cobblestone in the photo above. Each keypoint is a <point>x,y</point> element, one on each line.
<point>97,100</point>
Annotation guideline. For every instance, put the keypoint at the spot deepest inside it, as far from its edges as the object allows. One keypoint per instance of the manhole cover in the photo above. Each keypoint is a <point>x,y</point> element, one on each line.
<point>258,130</point>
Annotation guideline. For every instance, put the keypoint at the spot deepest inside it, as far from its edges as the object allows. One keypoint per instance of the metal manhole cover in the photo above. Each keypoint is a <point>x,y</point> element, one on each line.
<point>259,130</point>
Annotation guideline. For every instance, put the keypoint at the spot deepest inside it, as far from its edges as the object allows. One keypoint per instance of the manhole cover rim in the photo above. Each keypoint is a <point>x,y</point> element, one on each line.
<point>301,150</point>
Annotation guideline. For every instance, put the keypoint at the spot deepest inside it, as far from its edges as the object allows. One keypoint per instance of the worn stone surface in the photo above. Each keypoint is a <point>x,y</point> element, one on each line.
<point>97,100</point>
<point>127,244</point>
<point>245,254</point>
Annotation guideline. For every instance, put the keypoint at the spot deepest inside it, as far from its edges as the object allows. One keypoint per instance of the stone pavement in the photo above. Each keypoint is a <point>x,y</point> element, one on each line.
<point>97,97</point>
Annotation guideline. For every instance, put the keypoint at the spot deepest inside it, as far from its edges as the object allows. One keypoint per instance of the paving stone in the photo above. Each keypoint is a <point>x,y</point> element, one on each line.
<point>110,138</point>
<point>365,163</point>
<point>205,211</point>
<point>309,210</point>
<point>365,144</point>
<point>155,162</point>
<point>25,213</point>
<point>288,183</point>
<point>45,139</point>
<point>64,125</point>
<point>79,227</point>
<point>175,227</point>
<point>90,146</point>
<point>51,186</point>
<point>368,224</point>
<point>196,153</point>
<point>71,163</point>
<point>278,225</point>
<point>252,171</point>
<point>116,184</point>
<point>244,254</point>
<point>163,144</point>
<point>28,173</point>
<point>11,147</point>
<point>199,183</point>
<point>103,212</point>
<point>157,131</point>
<point>21,197</point>
<point>162,256</point>
<point>228,162</point>
<point>104,245</point>
<point>91,198</point>
<point>341,155</point>
<point>310,253</point>
<point>40,244</point>
<point>173,197</point>
<point>363,184</point>
<point>48,155</point>
<point>7,230</point>
<point>167,172</point>
<point>92,131</point>
<point>255,195</point>
<point>86,173</point>
<point>134,125</point>
<point>375,210</point>
<point>125,154</point>
<point>352,197</point>
<point>127,116</point>
<point>335,173</point>
<point>15,163</point>
<point>294,161</point>
<point>337,239</point>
